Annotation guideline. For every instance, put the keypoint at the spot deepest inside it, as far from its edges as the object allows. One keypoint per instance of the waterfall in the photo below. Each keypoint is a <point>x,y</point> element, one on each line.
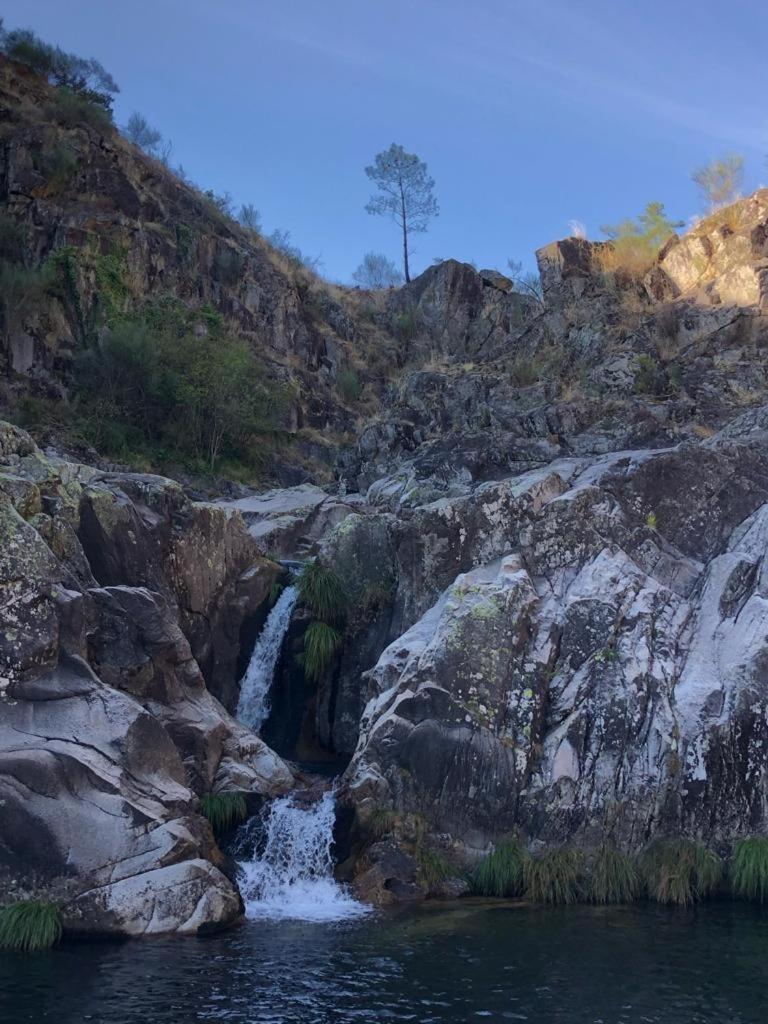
<point>253,704</point>
<point>290,870</point>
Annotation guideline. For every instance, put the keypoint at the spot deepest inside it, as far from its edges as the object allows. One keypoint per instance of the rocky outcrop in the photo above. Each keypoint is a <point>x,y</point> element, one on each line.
<point>724,259</point>
<point>604,677</point>
<point>111,589</point>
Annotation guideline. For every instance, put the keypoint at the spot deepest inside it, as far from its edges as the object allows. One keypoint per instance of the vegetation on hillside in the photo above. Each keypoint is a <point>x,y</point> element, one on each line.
<point>635,243</point>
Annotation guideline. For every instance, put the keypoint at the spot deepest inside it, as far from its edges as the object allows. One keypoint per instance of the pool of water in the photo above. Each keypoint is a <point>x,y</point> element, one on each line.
<point>462,962</point>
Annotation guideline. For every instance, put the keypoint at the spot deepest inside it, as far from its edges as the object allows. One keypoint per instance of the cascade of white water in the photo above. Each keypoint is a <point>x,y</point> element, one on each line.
<point>290,872</point>
<point>253,705</point>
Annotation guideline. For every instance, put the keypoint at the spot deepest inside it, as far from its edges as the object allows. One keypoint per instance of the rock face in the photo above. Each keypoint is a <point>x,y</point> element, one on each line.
<point>605,677</point>
<point>114,590</point>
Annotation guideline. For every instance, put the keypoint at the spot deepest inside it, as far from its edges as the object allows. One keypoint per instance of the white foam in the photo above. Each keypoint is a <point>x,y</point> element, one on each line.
<point>291,873</point>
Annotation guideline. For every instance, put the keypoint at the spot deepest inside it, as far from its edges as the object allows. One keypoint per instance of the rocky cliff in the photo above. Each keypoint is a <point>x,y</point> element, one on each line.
<point>549,518</point>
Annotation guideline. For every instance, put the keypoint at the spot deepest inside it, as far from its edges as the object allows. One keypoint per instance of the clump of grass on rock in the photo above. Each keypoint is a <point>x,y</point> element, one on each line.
<point>30,925</point>
<point>749,868</point>
<point>501,873</point>
<point>679,871</point>
<point>554,876</point>
<point>321,642</point>
<point>614,877</point>
<point>223,810</point>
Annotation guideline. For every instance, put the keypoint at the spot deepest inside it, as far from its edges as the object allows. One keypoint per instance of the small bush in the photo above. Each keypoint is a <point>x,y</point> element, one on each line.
<point>72,110</point>
<point>349,385</point>
<point>749,869</point>
<point>614,878</point>
<point>645,375</point>
<point>275,591</point>
<point>321,642</point>
<point>502,872</point>
<point>321,590</point>
<point>30,925</point>
<point>554,876</point>
<point>679,871</point>
<point>224,810</point>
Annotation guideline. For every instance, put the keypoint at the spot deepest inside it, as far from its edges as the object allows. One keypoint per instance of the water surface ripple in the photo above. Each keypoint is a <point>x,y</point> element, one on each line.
<point>463,962</point>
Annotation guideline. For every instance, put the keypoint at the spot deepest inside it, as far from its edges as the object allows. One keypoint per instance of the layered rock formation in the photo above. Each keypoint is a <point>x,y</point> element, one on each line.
<point>116,592</point>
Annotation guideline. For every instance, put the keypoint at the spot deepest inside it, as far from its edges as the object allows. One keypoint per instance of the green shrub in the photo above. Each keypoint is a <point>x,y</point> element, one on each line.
<point>275,591</point>
<point>322,592</point>
<point>224,810</point>
<point>502,872</point>
<point>30,925</point>
<point>749,868</point>
<point>614,877</point>
<point>349,385</point>
<point>554,876</point>
<point>679,871</point>
<point>645,375</point>
<point>165,388</point>
<point>321,642</point>
<point>73,110</point>
<point>85,77</point>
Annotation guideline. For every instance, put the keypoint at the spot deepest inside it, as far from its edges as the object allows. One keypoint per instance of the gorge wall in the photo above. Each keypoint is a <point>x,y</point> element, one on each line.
<point>549,518</point>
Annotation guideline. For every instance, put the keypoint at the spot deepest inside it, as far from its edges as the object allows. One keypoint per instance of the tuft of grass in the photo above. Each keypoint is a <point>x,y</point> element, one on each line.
<point>382,822</point>
<point>502,872</point>
<point>224,810</point>
<point>275,591</point>
<point>749,868</point>
<point>321,642</point>
<point>679,871</point>
<point>30,925</point>
<point>554,876</point>
<point>349,385</point>
<point>321,590</point>
<point>614,878</point>
<point>434,868</point>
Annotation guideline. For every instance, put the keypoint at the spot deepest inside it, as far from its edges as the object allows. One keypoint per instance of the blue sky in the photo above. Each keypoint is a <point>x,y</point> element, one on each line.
<point>529,115</point>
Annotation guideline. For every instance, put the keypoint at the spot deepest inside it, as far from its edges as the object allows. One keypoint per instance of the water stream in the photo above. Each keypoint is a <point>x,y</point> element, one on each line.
<point>285,855</point>
<point>253,705</point>
<point>286,862</point>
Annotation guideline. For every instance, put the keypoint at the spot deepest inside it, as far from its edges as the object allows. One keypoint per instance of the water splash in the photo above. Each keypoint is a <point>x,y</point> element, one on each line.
<point>290,873</point>
<point>253,704</point>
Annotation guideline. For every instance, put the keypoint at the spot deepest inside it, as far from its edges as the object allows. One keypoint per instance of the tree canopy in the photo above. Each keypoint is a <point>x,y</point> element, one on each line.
<point>406,193</point>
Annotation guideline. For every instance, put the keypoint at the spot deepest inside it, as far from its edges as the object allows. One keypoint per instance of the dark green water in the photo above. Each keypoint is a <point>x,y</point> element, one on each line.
<point>460,963</point>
